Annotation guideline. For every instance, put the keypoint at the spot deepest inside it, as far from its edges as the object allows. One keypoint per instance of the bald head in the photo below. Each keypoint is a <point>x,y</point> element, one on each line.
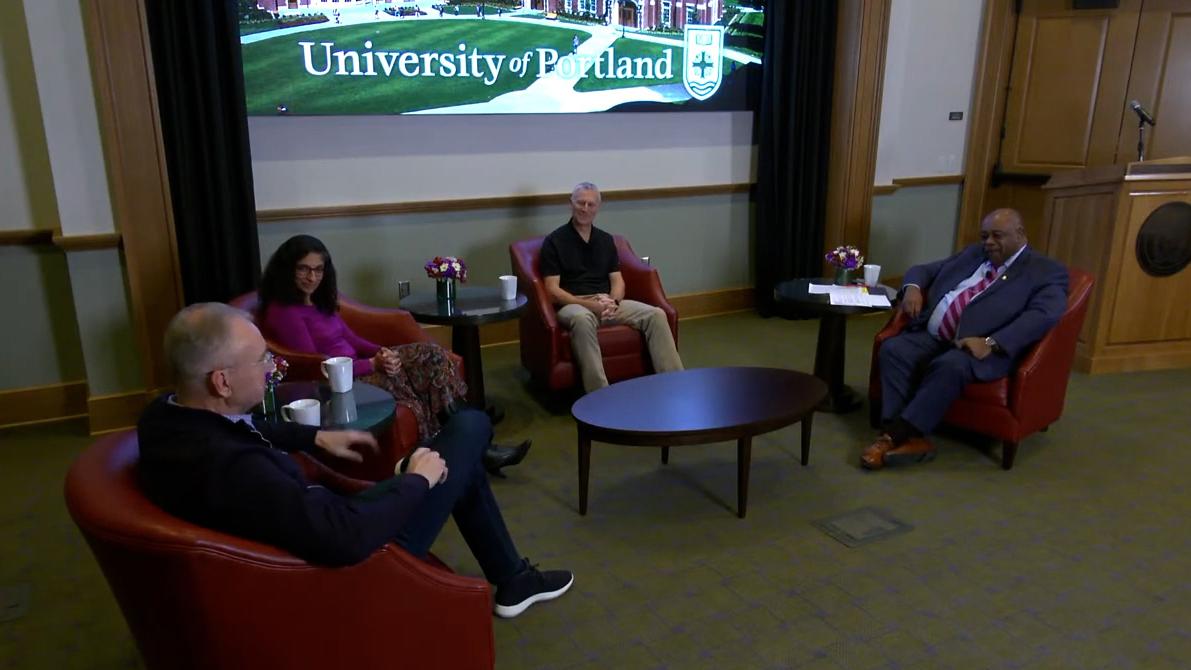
<point>1003,233</point>
<point>201,338</point>
<point>1006,218</point>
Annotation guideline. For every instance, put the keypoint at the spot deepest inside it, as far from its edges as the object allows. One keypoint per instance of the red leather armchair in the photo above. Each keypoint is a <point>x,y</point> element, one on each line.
<point>546,345</point>
<point>1027,401</point>
<point>383,326</point>
<point>198,598</point>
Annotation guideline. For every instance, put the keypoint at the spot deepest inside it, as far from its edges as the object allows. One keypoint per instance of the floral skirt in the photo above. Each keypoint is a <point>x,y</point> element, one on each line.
<point>427,383</point>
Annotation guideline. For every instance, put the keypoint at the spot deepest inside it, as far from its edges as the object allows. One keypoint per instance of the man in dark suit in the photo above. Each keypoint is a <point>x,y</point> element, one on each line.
<point>971,317</point>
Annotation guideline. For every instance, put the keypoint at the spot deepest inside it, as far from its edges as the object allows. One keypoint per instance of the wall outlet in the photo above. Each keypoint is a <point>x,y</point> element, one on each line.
<point>955,116</point>
<point>403,289</point>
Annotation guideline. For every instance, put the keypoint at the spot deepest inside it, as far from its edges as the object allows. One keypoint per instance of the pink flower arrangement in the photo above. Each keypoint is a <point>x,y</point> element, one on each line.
<point>280,367</point>
<point>845,257</point>
<point>446,267</point>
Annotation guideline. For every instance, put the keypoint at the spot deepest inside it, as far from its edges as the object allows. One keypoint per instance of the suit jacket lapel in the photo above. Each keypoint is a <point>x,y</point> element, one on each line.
<point>960,270</point>
<point>1011,274</point>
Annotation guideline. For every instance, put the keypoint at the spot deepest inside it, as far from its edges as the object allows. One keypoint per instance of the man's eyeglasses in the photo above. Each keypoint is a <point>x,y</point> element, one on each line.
<point>307,271</point>
<point>265,361</point>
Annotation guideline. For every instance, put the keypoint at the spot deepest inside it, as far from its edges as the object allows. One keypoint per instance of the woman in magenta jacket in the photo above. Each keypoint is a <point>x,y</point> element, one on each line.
<point>299,309</point>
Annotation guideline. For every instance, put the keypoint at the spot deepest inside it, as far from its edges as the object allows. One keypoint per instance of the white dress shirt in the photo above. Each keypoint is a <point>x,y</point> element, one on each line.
<point>936,317</point>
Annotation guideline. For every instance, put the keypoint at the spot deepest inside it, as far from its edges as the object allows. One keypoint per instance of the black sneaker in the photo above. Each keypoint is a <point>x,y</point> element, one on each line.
<point>528,587</point>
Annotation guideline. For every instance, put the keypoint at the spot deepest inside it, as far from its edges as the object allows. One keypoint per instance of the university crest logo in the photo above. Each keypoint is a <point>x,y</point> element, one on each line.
<point>702,69</point>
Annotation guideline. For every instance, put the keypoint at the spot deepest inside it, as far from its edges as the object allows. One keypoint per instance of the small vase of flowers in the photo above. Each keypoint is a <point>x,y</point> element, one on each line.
<point>446,271</point>
<point>846,260</point>
<point>272,379</point>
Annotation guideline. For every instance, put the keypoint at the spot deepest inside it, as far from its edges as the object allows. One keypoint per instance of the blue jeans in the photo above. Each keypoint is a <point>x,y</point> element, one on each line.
<point>467,495</point>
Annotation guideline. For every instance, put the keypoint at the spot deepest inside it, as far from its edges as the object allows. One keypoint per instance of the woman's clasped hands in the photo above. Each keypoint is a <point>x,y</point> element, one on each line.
<point>386,361</point>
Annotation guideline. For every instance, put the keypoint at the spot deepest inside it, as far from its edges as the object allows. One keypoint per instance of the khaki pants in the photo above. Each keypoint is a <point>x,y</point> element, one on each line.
<point>648,319</point>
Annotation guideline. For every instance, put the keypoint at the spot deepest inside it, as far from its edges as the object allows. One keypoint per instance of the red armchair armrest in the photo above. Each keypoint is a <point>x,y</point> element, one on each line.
<point>386,326</point>
<point>643,284</point>
<point>1038,388</point>
<point>239,604</point>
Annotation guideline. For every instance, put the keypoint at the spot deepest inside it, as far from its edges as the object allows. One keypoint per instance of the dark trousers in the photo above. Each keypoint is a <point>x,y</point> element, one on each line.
<point>920,377</point>
<point>467,496</point>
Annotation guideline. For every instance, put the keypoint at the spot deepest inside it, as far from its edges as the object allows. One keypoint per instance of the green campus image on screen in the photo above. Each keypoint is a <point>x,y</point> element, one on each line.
<point>507,57</point>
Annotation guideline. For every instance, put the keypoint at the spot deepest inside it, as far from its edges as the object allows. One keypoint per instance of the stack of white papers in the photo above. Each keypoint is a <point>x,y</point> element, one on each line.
<point>849,296</point>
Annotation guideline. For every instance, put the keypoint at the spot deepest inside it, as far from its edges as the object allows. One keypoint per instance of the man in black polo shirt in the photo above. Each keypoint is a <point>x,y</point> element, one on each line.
<point>582,272</point>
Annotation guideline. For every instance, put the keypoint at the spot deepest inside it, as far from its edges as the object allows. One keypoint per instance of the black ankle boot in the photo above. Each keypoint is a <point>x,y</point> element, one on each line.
<point>497,456</point>
<point>450,410</point>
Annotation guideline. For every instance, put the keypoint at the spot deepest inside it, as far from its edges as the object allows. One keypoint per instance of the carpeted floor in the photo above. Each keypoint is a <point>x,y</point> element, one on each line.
<point>1074,559</point>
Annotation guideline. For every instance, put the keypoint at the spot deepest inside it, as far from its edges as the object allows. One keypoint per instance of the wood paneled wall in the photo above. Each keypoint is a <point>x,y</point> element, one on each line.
<point>1067,86</point>
<point>1161,80</point>
<point>1053,87</point>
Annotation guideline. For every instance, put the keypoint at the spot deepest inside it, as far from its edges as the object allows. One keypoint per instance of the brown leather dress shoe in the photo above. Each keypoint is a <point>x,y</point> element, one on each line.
<point>913,450</point>
<point>873,457</point>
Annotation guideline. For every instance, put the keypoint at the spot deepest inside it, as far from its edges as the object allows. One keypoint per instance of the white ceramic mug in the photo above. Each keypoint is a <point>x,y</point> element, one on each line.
<point>872,275</point>
<point>305,411</point>
<point>338,371</point>
<point>508,287</point>
<point>343,408</point>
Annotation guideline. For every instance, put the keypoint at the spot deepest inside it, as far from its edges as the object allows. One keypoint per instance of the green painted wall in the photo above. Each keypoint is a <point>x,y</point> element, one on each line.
<point>105,322</point>
<point>698,244</point>
<point>912,225</point>
<point>41,342</point>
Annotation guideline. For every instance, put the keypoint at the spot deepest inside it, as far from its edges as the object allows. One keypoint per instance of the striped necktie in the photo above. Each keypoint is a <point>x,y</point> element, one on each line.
<point>951,317</point>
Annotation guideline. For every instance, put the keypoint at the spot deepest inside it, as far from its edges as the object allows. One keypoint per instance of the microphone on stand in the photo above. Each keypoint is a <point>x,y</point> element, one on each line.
<point>1143,117</point>
<point>1142,114</point>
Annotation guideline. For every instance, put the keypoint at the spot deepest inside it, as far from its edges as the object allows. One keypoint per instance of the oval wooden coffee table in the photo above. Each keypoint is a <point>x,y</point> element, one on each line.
<point>696,407</point>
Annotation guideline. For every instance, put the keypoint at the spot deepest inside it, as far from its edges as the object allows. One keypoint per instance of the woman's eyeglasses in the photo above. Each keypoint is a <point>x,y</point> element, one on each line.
<point>307,271</point>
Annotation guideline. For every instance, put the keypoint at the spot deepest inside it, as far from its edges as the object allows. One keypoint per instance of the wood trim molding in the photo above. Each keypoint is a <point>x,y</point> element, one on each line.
<point>932,180</point>
<point>117,411</point>
<point>994,61</point>
<point>84,242</point>
<point>129,126</point>
<point>885,189</point>
<point>711,303</point>
<point>28,237</point>
<point>501,202</point>
<point>862,32</point>
<point>689,306</point>
<point>1132,357</point>
<point>39,404</point>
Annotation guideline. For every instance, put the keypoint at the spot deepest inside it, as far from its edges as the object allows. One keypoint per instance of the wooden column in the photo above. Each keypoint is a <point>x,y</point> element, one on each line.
<point>126,99</point>
<point>993,62</point>
<point>862,31</point>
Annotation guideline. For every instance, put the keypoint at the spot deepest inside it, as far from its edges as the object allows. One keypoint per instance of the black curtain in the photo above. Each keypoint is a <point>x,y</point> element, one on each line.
<point>794,138</point>
<point>200,98</point>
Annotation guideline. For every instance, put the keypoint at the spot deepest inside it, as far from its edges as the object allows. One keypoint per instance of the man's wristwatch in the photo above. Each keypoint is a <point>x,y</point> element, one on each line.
<point>992,344</point>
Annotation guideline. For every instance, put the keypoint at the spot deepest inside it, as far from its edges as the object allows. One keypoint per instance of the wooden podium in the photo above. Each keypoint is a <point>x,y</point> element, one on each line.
<point>1139,317</point>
